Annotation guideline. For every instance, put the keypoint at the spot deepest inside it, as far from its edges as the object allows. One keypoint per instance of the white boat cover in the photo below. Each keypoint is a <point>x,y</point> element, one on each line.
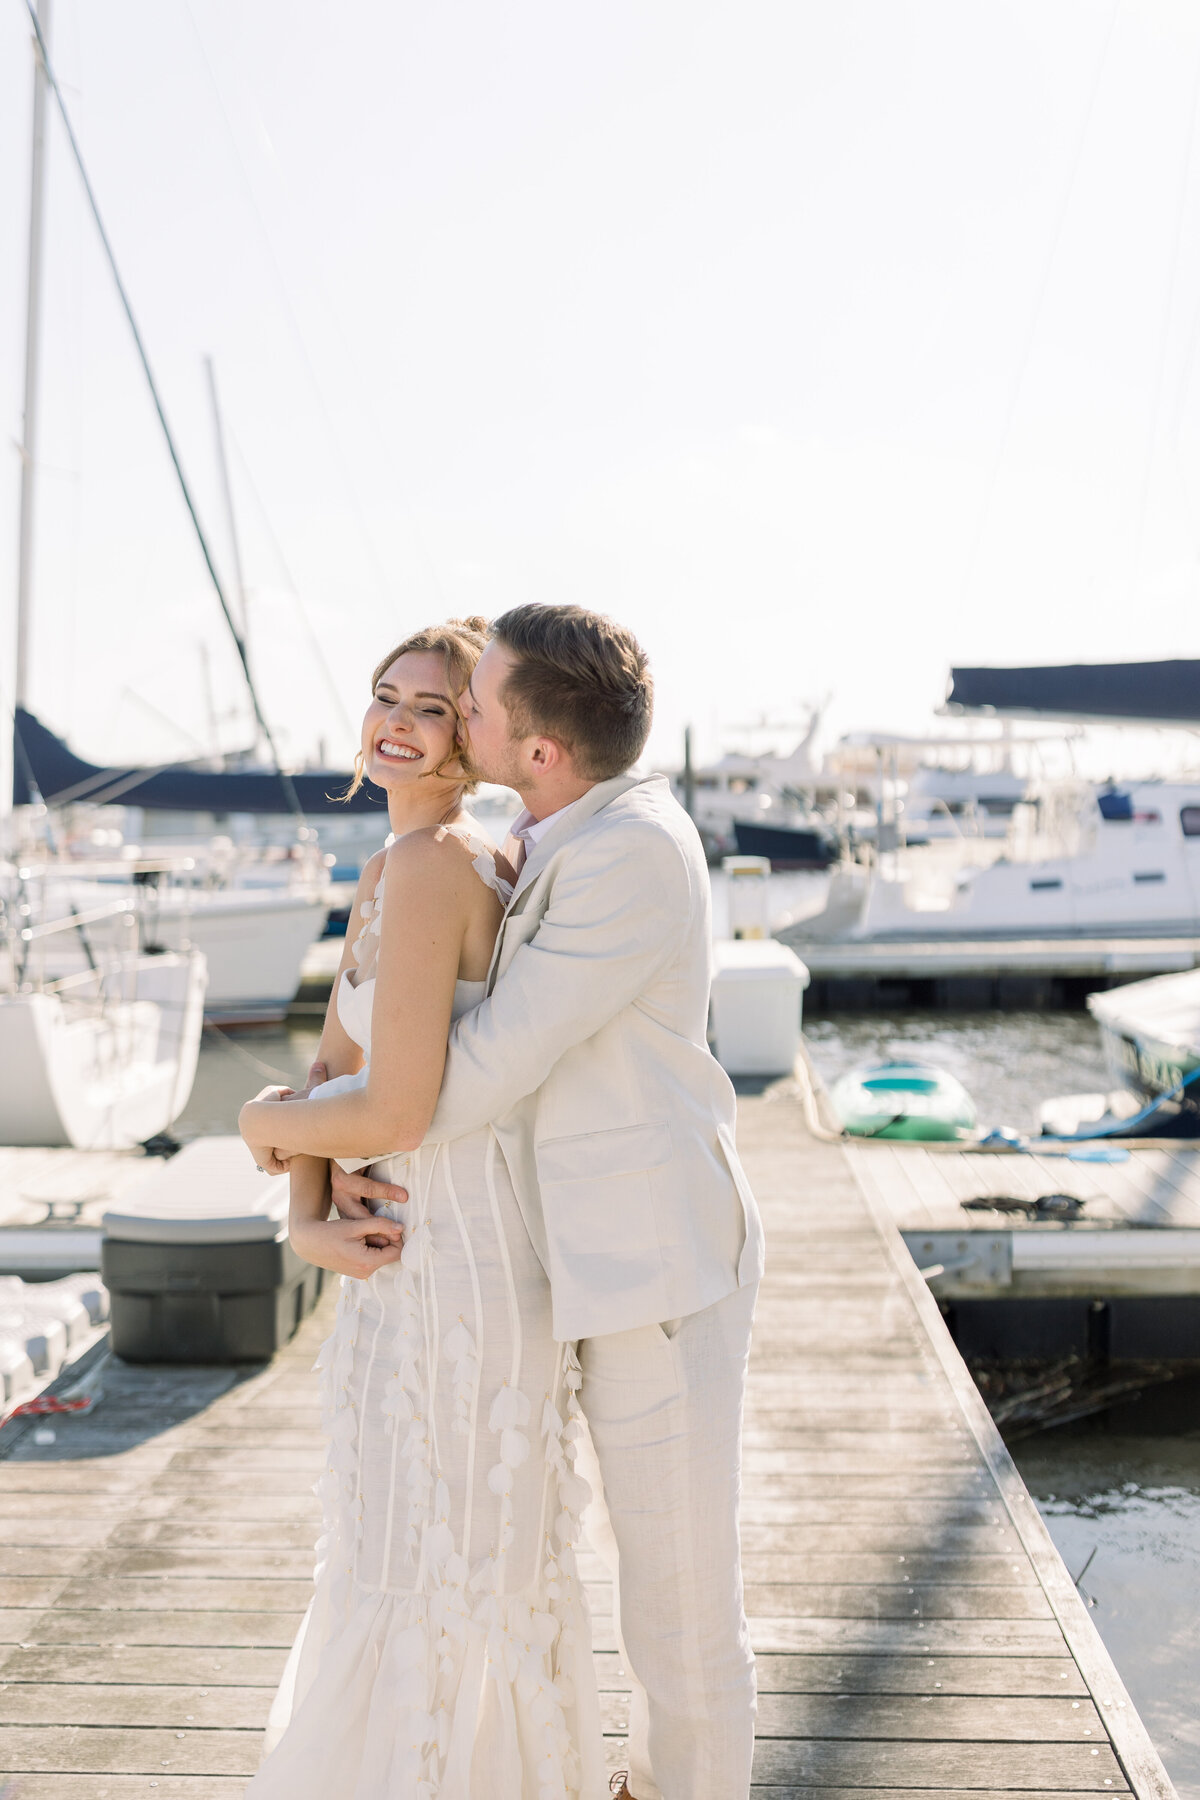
<point>1165,1009</point>
<point>210,1193</point>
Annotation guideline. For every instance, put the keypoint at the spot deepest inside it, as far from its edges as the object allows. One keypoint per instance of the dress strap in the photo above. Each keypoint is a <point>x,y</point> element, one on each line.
<point>484,862</point>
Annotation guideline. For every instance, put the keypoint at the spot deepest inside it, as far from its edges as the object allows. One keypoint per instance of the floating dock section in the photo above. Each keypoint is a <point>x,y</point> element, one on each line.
<point>1119,1279</point>
<point>982,972</point>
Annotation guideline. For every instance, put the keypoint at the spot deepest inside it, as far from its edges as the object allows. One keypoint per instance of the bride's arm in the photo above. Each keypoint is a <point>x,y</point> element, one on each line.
<point>347,1246</point>
<point>308,1193</point>
<point>426,910</point>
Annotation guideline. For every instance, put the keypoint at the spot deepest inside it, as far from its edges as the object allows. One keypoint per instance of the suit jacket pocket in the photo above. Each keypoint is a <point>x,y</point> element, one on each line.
<point>596,1191</point>
<point>626,1151</point>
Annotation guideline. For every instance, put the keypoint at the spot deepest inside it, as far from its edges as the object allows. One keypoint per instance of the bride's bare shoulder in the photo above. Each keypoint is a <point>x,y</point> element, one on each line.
<point>448,860</point>
<point>434,854</point>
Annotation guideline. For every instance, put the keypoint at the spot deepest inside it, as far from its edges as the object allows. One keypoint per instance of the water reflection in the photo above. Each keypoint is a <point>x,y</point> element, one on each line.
<point>1131,1503</point>
<point>1009,1062</point>
<point>233,1066</point>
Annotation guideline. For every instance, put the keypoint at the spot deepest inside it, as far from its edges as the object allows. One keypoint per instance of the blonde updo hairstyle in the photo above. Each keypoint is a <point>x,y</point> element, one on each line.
<point>460,643</point>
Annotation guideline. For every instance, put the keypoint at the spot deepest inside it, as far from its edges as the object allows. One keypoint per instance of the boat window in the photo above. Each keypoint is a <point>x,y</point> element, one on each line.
<point>1189,818</point>
<point>1114,806</point>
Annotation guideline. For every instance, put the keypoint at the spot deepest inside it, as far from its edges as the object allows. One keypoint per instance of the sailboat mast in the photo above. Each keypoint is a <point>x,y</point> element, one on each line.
<point>230,517</point>
<point>37,208</point>
<point>227,493</point>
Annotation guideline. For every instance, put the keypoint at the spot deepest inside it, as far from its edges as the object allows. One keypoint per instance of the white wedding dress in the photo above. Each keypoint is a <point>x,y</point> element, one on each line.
<point>446,1654</point>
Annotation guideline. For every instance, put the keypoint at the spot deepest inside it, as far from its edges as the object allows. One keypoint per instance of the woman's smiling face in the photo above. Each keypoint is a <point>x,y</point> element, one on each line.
<point>410,727</point>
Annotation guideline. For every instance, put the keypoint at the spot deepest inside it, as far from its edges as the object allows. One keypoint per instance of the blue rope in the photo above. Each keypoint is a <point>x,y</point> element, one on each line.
<point>1122,1127</point>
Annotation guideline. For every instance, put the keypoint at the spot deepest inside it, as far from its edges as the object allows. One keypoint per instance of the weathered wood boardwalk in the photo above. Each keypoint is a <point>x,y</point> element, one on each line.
<point>924,1186</point>
<point>916,1630</point>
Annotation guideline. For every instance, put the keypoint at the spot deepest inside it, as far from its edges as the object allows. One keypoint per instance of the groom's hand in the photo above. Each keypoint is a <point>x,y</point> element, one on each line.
<point>316,1075</point>
<point>351,1192</point>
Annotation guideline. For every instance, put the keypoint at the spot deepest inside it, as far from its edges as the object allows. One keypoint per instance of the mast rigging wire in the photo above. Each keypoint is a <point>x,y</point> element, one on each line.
<point>286,782</point>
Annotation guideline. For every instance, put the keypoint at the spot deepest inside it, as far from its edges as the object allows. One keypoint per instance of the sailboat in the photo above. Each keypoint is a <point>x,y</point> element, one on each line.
<point>254,928</point>
<point>103,1056</point>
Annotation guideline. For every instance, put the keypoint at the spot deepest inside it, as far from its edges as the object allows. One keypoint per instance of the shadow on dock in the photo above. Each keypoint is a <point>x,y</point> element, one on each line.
<point>136,1403</point>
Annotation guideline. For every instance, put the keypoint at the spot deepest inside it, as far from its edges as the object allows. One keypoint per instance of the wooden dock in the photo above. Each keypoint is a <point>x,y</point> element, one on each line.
<point>916,959</point>
<point>978,972</point>
<point>917,1631</point>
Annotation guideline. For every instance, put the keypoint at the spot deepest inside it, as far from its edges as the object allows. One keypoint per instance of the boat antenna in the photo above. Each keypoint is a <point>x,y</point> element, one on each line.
<point>286,781</point>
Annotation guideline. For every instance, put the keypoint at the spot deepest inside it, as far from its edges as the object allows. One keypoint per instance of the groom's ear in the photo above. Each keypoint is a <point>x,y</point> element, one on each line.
<point>546,753</point>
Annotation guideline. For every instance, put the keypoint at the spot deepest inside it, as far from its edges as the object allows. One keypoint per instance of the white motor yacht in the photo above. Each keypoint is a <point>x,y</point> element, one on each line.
<point>1080,860</point>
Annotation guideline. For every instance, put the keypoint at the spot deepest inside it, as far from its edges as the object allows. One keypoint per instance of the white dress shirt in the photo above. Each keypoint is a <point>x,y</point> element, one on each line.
<point>529,831</point>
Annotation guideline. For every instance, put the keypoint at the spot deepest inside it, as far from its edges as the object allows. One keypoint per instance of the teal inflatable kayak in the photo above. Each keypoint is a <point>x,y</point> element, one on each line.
<point>903,1100</point>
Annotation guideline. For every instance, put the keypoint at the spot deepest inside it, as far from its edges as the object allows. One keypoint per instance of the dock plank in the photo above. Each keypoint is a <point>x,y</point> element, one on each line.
<point>167,1786</point>
<point>1048,1768</point>
<point>92,1750</point>
<point>127,1704</point>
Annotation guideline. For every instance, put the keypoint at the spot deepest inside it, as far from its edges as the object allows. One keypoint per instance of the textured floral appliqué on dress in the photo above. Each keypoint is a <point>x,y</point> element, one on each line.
<point>446,1654</point>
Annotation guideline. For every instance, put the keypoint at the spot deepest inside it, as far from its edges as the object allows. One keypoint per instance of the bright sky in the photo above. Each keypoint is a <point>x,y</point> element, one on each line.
<point>824,344</point>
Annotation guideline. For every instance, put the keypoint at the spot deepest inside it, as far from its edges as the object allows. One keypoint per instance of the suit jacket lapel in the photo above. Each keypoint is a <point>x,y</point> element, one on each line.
<point>585,808</point>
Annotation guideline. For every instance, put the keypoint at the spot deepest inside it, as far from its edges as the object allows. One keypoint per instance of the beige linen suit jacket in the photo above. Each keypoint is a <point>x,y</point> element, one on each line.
<point>590,1060</point>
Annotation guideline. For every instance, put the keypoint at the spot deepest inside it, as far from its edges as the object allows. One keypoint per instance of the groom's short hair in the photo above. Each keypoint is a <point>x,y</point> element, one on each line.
<point>580,678</point>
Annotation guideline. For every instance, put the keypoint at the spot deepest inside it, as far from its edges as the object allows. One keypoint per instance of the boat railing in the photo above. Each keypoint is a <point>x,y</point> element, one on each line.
<point>218,865</point>
<point>31,934</point>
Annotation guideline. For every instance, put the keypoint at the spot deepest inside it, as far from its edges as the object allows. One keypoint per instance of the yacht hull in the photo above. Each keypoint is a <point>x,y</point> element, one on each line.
<point>102,1072</point>
<point>788,847</point>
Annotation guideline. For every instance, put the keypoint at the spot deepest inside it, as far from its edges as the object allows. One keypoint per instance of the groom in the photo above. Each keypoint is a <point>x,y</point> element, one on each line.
<point>590,1061</point>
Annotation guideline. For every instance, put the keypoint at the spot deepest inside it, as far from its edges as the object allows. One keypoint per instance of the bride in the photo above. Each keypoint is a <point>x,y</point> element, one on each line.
<point>446,1652</point>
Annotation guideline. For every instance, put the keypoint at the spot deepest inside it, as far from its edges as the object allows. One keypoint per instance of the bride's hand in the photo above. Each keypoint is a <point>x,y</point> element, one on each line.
<point>249,1124</point>
<point>349,1246</point>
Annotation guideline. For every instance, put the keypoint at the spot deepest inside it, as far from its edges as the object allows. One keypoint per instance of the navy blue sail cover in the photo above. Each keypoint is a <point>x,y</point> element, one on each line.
<point>45,768</point>
<point>1162,693</point>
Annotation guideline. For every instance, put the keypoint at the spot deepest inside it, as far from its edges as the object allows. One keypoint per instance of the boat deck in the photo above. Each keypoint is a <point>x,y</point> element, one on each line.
<point>917,1632</point>
<point>52,1203</point>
